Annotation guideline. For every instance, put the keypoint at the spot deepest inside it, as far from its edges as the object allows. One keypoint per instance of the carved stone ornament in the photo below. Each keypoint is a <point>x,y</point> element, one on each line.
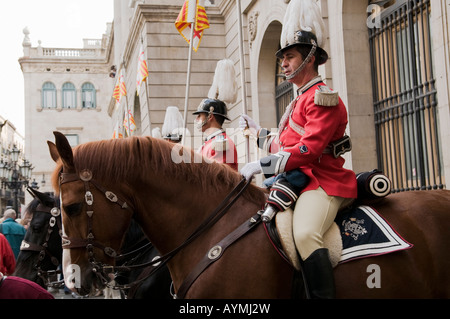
<point>253,26</point>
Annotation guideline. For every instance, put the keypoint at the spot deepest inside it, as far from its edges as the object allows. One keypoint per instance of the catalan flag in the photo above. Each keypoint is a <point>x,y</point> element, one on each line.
<point>128,122</point>
<point>142,70</point>
<point>117,133</point>
<point>122,87</point>
<point>116,93</point>
<point>201,22</point>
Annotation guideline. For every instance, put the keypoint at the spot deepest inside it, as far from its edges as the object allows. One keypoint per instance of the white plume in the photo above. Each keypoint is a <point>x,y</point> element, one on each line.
<point>156,132</point>
<point>302,15</point>
<point>173,120</point>
<point>224,86</point>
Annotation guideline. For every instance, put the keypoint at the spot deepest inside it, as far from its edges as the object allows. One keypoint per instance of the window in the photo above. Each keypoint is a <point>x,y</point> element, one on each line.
<point>69,96</point>
<point>88,95</point>
<point>48,95</point>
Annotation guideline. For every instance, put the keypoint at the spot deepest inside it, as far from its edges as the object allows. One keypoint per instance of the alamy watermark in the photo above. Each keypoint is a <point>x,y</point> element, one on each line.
<point>374,279</point>
<point>197,140</point>
<point>374,19</point>
<point>73,276</point>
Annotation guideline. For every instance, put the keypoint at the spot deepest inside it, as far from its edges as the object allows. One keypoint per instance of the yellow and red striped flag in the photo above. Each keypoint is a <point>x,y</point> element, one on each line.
<point>128,123</point>
<point>201,22</point>
<point>116,93</point>
<point>122,87</point>
<point>116,132</point>
<point>142,69</point>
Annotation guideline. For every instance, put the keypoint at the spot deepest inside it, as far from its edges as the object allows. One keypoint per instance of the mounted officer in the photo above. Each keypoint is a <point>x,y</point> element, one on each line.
<point>211,114</point>
<point>310,139</point>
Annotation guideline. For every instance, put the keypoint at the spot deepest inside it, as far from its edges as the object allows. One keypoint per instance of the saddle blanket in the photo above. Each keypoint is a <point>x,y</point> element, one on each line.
<point>366,233</point>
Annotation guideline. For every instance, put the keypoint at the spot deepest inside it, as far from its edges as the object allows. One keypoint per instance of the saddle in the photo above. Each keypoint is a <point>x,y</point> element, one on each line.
<point>358,230</point>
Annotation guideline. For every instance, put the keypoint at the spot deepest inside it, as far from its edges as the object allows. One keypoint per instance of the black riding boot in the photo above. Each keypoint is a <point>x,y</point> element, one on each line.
<point>319,275</point>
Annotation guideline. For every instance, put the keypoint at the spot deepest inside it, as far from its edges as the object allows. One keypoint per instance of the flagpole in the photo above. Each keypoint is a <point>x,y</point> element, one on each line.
<point>148,107</point>
<point>146,93</point>
<point>127,130</point>
<point>190,19</point>
<point>244,90</point>
<point>126,99</point>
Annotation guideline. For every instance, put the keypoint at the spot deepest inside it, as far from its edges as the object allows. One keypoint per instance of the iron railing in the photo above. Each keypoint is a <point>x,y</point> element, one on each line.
<point>404,97</point>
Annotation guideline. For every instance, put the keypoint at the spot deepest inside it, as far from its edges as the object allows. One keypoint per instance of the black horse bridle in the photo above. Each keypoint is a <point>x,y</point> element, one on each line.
<point>101,270</point>
<point>53,224</point>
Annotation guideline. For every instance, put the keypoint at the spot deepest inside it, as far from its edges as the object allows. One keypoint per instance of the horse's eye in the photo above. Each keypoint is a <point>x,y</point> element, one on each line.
<point>37,227</point>
<point>73,209</point>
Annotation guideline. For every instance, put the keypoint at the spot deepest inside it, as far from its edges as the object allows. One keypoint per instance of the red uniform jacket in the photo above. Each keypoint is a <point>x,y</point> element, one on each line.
<point>303,143</point>
<point>220,148</point>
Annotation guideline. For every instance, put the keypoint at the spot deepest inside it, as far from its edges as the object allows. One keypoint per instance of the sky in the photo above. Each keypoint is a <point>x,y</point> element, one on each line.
<point>56,23</point>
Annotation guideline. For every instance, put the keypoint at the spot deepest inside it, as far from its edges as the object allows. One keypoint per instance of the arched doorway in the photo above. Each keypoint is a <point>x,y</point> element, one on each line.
<point>274,94</point>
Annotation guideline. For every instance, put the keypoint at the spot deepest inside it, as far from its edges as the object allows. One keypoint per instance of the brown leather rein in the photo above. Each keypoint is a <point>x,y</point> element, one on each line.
<point>101,270</point>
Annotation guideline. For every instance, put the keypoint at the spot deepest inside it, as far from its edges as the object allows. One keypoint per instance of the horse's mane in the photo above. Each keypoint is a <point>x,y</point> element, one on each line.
<point>115,160</point>
<point>31,207</point>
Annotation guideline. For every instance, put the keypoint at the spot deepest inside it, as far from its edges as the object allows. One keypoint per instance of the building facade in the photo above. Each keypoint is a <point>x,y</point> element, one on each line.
<point>389,71</point>
<point>392,75</point>
<point>66,90</point>
<point>10,139</point>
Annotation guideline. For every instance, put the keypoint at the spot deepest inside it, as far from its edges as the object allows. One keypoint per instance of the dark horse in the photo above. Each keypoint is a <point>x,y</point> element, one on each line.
<point>171,191</point>
<point>41,253</point>
<point>41,250</point>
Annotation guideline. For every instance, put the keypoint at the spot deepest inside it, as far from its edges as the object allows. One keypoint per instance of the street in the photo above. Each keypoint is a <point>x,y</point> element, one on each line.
<point>61,294</point>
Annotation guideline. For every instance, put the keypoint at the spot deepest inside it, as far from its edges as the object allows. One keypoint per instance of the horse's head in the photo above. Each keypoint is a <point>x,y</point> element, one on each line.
<point>41,250</point>
<point>94,219</point>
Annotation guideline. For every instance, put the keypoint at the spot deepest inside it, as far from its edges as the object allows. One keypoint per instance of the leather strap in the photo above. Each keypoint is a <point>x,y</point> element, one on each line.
<point>215,253</point>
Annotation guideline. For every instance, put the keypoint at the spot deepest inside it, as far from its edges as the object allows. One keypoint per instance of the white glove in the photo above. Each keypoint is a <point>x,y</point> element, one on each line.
<point>247,123</point>
<point>251,169</point>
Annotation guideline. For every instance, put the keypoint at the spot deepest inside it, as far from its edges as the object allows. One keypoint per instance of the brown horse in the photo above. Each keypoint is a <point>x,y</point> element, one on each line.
<point>170,191</point>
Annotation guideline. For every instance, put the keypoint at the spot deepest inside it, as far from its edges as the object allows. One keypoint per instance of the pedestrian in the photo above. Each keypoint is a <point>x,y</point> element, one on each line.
<point>12,287</point>
<point>7,260</point>
<point>308,134</point>
<point>211,114</point>
<point>13,231</point>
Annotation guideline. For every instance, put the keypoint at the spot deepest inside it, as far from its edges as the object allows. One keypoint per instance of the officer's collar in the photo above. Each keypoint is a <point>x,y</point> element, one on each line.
<point>308,85</point>
<point>210,136</point>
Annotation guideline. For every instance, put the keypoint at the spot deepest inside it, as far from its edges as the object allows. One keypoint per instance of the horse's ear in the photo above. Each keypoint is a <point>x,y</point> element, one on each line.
<point>43,198</point>
<point>53,151</point>
<point>64,149</point>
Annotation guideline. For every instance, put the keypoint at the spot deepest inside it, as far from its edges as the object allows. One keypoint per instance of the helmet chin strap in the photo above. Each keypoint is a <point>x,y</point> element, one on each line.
<point>203,123</point>
<point>302,66</point>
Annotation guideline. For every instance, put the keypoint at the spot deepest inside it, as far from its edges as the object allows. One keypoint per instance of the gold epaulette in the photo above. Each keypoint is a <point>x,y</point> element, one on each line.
<point>325,96</point>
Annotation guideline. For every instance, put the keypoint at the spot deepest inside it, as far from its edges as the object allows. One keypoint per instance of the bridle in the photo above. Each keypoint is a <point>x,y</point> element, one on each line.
<point>101,270</point>
<point>53,224</point>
